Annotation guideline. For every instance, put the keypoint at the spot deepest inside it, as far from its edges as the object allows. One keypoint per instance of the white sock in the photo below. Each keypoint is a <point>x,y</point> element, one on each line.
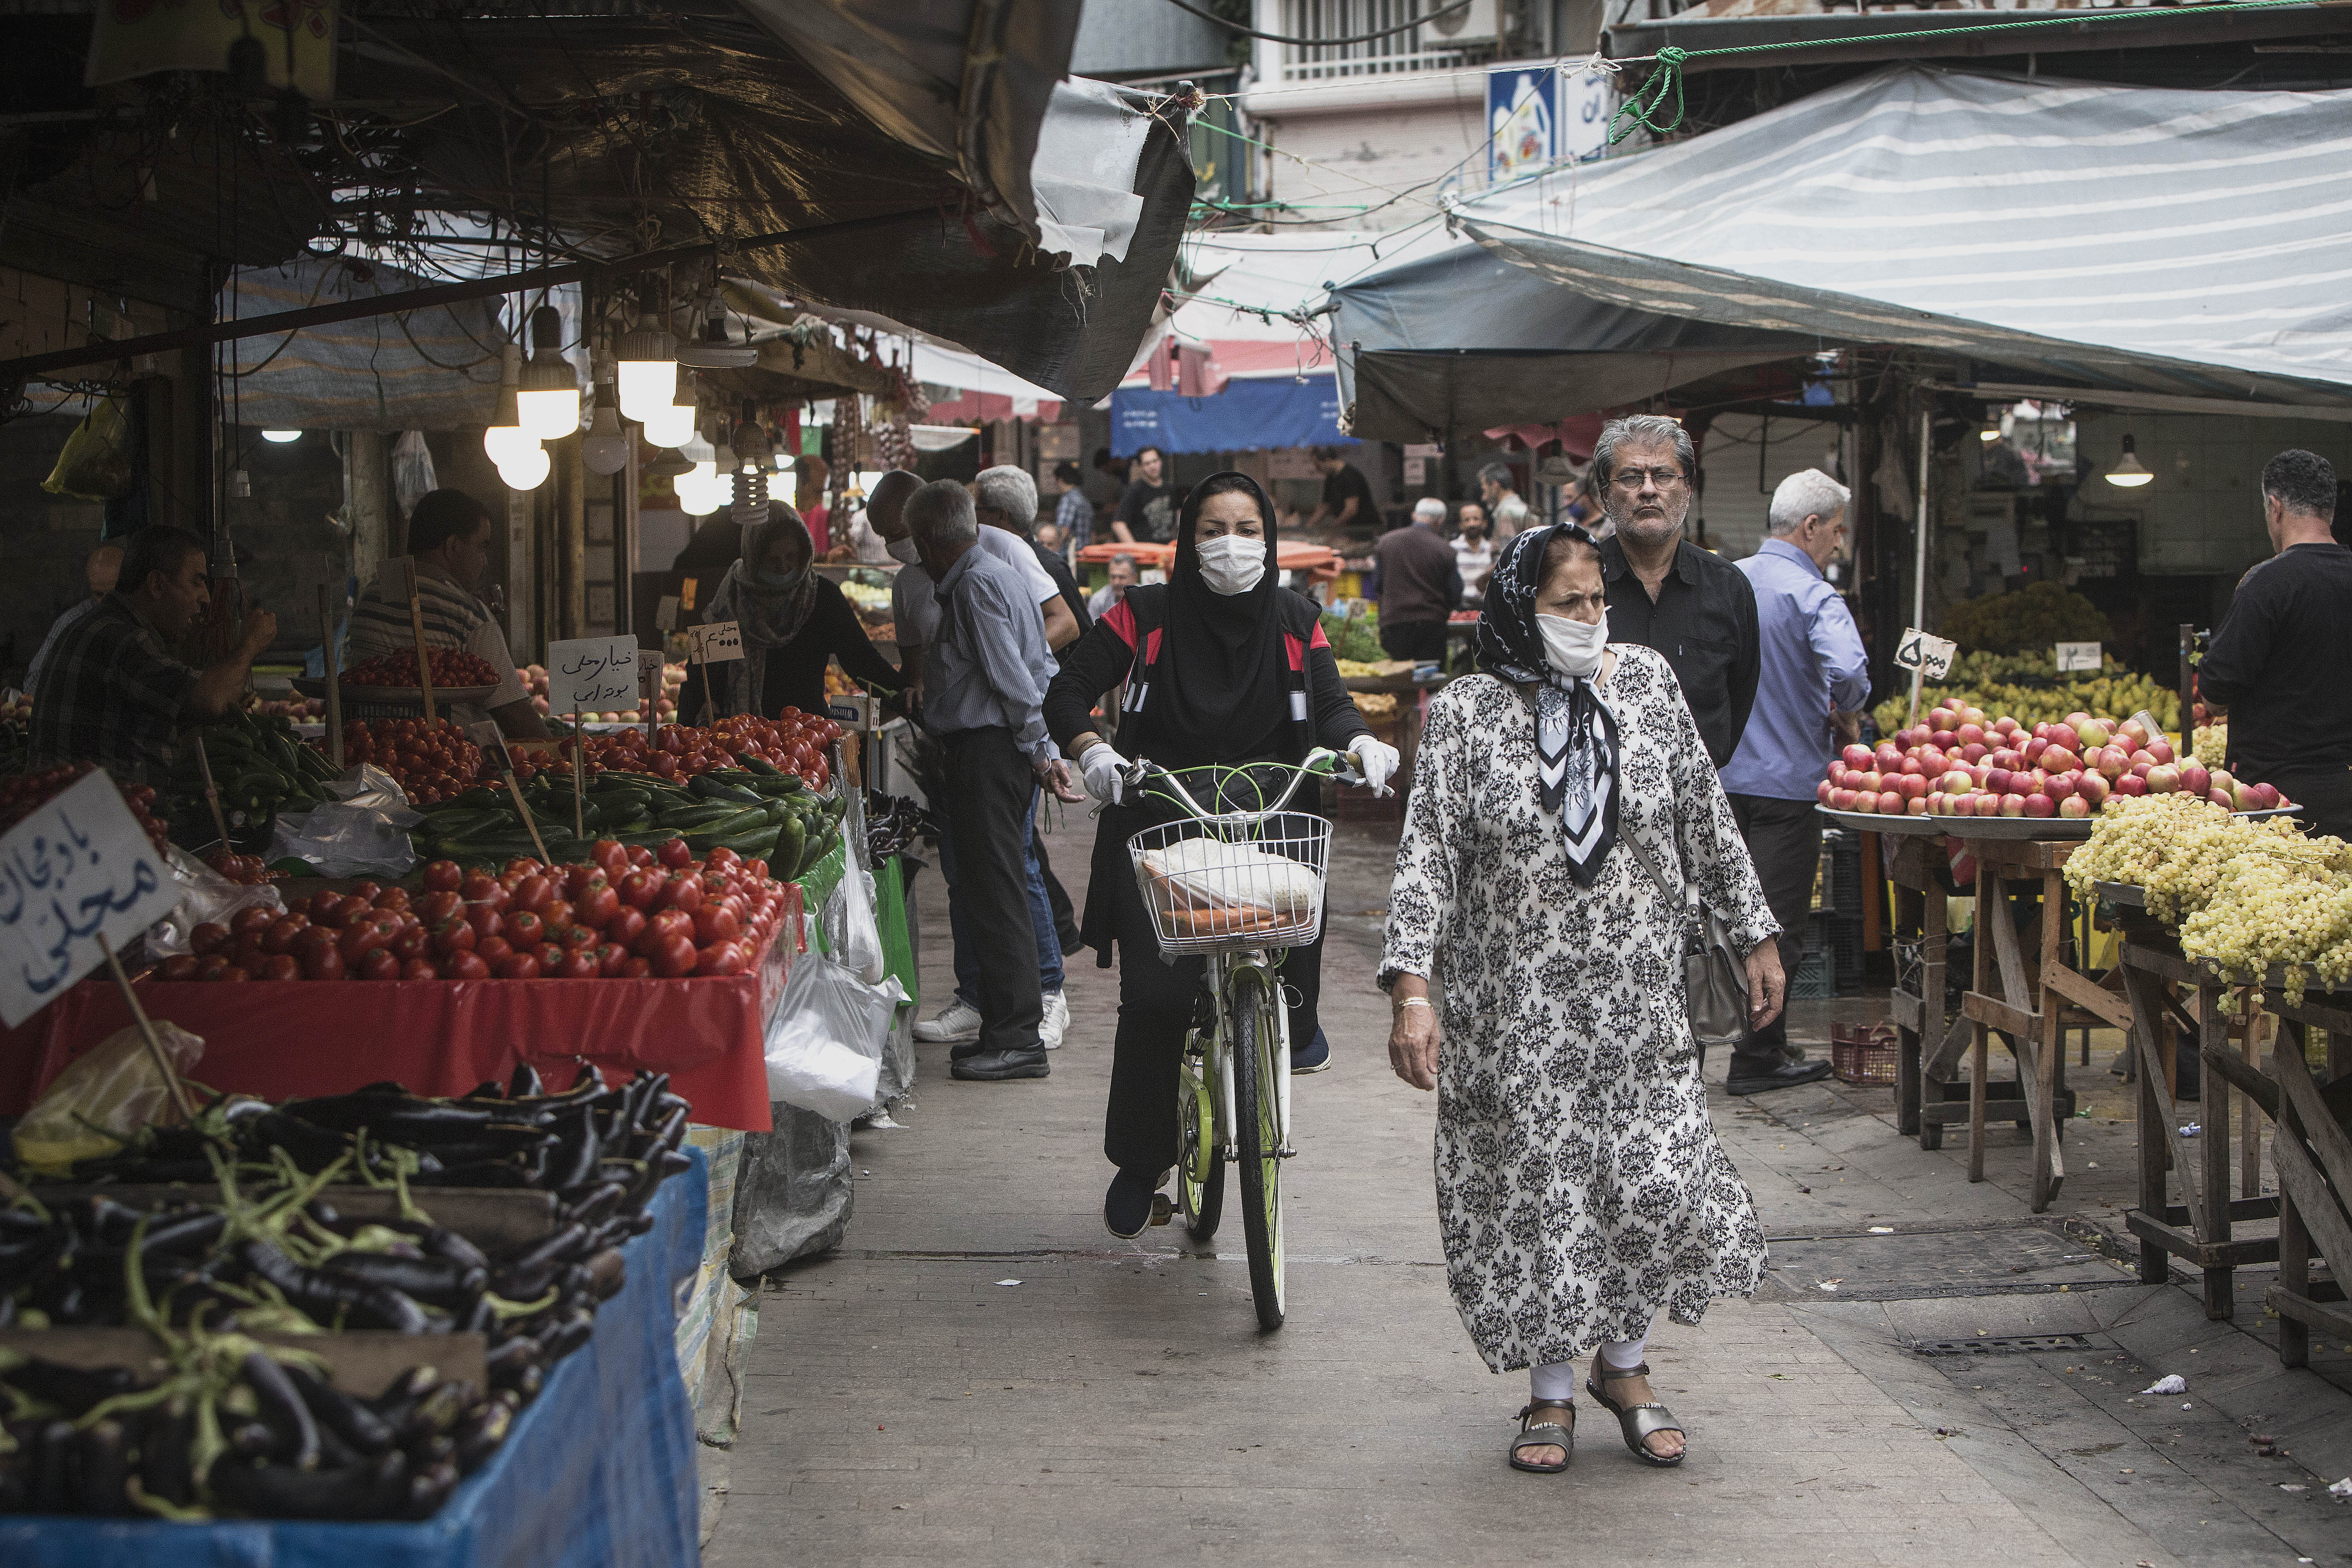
<point>1620,1354</point>
<point>1552,1383</point>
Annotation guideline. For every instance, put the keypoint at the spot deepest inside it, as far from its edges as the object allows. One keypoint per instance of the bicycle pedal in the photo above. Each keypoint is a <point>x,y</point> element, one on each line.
<point>1286,1154</point>
<point>1163,1211</point>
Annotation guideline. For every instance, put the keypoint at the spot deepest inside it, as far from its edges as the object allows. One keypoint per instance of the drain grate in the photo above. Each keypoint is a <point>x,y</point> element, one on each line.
<point>2003,1344</point>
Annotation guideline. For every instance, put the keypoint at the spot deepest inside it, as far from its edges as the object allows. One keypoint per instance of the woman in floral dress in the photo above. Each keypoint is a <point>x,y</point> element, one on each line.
<point>1579,1186</point>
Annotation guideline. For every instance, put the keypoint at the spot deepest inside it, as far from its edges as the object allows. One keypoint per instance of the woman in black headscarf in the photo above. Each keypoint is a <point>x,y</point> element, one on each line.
<point>1223,666</point>
<point>794,621</point>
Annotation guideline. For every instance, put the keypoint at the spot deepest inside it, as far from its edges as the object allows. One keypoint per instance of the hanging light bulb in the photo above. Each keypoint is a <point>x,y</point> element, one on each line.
<point>527,472</point>
<point>699,488</point>
<point>714,350</point>
<point>672,424</point>
<point>648,357</point>
<point>605,448</point>
<point>281,437</point>
<point>504,437</point>
<point>2129,471</point>
<point>547,391</point>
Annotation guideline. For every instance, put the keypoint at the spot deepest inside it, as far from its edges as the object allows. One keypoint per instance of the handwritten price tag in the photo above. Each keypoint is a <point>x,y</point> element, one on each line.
<point>591,674</point>
<point>1930,656</point>
<point>2073,655</point>
<point>649,670</point>
<point>76,870</point>
<point>714,643</point>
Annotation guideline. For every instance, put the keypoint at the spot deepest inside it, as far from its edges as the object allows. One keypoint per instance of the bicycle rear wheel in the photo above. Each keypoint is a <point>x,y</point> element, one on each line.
<point>1257,1039</point>
<point>1200,1163</point>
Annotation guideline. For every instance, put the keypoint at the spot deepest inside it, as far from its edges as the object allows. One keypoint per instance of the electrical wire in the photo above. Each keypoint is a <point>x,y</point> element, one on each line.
<point>1248,32</point>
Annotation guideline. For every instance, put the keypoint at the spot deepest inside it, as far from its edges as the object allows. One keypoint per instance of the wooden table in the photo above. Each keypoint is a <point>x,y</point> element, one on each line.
<point>2312,1148</point>
<point>1921,873</point>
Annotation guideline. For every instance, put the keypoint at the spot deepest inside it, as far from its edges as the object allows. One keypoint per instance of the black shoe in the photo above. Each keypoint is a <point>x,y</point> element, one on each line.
<point>1126,1207</point>
<point>967,1049</point>
<point>993,1066</point>
<point>1787,1075</point>
<point>1315,1056</point>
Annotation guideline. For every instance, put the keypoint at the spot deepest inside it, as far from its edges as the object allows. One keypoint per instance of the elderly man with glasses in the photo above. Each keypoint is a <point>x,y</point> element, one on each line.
<point>1665,592</point>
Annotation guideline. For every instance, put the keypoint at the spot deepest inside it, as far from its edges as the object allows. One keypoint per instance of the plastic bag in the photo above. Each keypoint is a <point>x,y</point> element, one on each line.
<point>824,1050</point>
<point>96,462</point>
<point>346,841</point>
<point>852,937</point>
<point>412,470</point>
<point>206,897</point>
<point>99,1103</point>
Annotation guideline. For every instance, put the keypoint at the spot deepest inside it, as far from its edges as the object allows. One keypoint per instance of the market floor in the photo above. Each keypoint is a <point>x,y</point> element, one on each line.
<point>981,1372</point>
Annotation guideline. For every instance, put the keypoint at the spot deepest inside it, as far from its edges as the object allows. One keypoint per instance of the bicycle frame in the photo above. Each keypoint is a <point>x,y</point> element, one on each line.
<point>1221,967</point>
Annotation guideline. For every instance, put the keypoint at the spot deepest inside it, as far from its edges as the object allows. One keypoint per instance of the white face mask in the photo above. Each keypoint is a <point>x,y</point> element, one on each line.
<point>903,551</point>
<point>1231,563</point>
<point>1573,648</point>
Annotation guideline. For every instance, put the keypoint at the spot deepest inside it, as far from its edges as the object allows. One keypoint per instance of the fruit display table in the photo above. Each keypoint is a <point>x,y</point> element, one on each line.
<point>598,1471</point>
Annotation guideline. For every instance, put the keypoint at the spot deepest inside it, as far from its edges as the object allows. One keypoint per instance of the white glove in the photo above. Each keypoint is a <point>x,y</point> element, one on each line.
<point>1376,760</point>
<point>1101,764</point>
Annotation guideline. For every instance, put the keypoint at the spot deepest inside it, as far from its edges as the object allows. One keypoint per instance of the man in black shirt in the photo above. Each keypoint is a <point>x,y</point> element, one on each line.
<point>2281,661</point>
<point>1147,508</point>
<point>1347,495</point>
<point>1666,592</point>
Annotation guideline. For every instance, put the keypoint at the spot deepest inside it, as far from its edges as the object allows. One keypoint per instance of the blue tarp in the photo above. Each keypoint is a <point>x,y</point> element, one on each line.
<point>598,1473</point>
<point>1247,416</point>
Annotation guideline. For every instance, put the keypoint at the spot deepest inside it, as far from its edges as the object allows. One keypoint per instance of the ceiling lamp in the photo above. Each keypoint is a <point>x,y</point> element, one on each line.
<point>1989,435</point>
<point>605,448</point>
<point>504,440</point>
<point>281,437</point>
<point>714,352</point>
<point>671,425</point>
<point>547,392</point>
<point>700,490</point>
<point>647,356</point>
<point>527,472</point>
<point>2129,471</point>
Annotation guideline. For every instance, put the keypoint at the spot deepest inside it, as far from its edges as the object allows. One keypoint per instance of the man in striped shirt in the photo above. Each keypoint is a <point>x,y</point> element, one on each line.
<point>449,538</point>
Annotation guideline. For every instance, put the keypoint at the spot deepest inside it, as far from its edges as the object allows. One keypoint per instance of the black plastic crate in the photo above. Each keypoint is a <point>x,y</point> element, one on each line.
<point>1839,884</point>
<point>1812,981</point>
<point>1844,945</point>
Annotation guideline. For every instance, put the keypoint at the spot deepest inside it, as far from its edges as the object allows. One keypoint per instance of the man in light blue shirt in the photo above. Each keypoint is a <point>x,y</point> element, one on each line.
<point>1813,676</point>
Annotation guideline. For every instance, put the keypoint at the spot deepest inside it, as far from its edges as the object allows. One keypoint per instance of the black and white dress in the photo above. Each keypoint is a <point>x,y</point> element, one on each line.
<point>1580,1190</point>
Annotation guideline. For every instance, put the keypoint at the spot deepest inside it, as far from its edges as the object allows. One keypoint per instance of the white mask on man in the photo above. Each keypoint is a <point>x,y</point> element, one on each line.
<point>1231,563</point>
<point>903,551</point>
<point>1573,647</point>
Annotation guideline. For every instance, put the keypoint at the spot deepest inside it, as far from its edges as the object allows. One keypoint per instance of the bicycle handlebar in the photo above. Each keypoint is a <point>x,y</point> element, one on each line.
<point>1143,768</point>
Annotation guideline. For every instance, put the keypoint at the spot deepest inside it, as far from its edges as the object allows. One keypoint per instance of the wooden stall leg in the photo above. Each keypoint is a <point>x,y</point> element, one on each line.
<point>2150,1029</point>
<point>2048,1050</point>
<point>2250,1115</point>
<point>2213,1035</point>
<point>2294,1278</point>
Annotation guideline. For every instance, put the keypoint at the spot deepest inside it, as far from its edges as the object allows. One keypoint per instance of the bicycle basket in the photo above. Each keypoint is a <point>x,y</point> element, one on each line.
<point>1253,883</point>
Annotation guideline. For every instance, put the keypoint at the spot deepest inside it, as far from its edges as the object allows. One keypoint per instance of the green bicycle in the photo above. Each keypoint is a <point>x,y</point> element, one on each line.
<point>1236,888</point>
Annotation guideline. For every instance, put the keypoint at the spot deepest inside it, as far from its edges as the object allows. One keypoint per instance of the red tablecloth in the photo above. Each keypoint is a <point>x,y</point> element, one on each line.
<point>290,1038</point>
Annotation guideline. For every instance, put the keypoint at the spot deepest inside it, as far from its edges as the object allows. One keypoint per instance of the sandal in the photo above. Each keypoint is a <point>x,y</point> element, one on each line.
<point>1544,1434</point>
<point>1636,1421</point>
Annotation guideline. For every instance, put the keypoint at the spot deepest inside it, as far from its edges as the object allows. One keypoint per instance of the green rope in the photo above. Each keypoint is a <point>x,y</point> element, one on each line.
<point>1642,108</point>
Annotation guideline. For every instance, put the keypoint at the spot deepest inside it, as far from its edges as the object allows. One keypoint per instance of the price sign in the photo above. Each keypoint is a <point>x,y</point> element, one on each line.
<point>1930,656</point>
<point>591,674</point>
<point>486,734</point>
<point>76,877</point>
<point>714,643</point>
<point>649,670</point>
<point>2073,655</point>
<point>665,612</point>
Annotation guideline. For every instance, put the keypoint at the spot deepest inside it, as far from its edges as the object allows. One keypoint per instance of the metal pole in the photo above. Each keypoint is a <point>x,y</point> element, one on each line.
<point>1919,552</point>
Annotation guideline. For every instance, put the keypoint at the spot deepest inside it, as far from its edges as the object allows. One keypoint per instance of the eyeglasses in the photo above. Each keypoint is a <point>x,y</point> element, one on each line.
<point>1630,479</point>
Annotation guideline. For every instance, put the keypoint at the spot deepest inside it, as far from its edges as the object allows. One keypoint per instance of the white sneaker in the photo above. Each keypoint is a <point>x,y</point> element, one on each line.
<point>1056,1020</point>
<point>957,1021</point>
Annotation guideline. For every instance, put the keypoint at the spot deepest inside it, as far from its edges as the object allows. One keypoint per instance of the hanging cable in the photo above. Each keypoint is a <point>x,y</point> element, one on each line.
<point>1248,32</point>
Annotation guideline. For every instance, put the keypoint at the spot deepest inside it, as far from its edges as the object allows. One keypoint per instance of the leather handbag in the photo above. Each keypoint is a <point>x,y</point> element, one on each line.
<point>1715,977</point>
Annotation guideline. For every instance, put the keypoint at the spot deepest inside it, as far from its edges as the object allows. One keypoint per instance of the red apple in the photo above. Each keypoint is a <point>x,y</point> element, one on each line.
<point>1957,782</point>
<point>2160,749</point>
<point>1856,756</point>
<point>2132,733</point>
<point>1871,783</point>
<point>1890,804</point>
<point>2266,797</point>
<point>1974,751</point>
<point>2035,747</point>
<point>2004,725</point>
<point>2194,778</point>
<point>1912,766</point>
<point>2143,758</point>
<point>1977,772</point>
<point>1990,804</point>
<point>2094,734</point>
<point>2244,798</point>
<point>2132,783</point>
<point>2012,805</point>
<point>2042,730</point>
<point>2074,805</point>
<point>2220,797</point>
<point>2094,788</point>
<point>2059,758</point>
<point>1915,807</point>
<point>1888,758</point>
<point>1971,734</point>
<point>1997,779</point>
<point>1841,800</point>
<point>2039,805</point>
<point>2163,779</point>
<point>1973,716</point>
<point>2062,736</point>
<point>1821,792</point>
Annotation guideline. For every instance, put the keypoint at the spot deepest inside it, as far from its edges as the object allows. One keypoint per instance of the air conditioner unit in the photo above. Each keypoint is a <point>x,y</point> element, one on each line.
<point>1479,22</point>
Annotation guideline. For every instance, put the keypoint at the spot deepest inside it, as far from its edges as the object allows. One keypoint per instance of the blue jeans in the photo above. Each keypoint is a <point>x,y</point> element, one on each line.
<point>1041,916</point>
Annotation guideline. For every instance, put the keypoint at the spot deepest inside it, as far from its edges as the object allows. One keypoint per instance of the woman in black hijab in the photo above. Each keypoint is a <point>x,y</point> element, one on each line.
<point>1223,666</point>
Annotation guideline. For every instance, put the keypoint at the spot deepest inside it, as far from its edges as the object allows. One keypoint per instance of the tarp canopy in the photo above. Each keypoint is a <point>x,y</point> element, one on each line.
<point>2180,243</point>
<point>419,370</point>
<point>1245,417</point>
<point>1242,301</point>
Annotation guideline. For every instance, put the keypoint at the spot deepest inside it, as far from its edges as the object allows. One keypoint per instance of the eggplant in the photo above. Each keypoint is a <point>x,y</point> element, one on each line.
<point>359,1428</point>
<point>313,1148</point>
<point>524,1084</point>
<point>51,1450</point>
<point>98,1467</point>
<point>481,1434</point>
<point>435,1281</point>
<point>166,1452</point>
<point>440,1241</point>
<point>429,1489</point>
<point>323,1296</point>
<point>607,1272</point>
<point>273,1491</point>
<point>283,1409</point>
<point>595,1204</point>
<point>72,1389</point>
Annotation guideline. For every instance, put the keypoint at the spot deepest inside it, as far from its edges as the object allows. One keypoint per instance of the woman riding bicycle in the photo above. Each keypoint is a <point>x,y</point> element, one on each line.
<point>1222,668</point>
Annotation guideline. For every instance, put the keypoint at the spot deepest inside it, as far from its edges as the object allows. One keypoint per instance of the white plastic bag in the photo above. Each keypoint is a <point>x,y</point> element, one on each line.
<point>364,832</point>
<point>825,1050</point>
<point>850,929</point>
<point>206,897</point>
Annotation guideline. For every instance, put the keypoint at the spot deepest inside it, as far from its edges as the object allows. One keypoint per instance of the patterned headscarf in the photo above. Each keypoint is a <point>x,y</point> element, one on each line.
<point>1576,735</point>
<point>767,617</point>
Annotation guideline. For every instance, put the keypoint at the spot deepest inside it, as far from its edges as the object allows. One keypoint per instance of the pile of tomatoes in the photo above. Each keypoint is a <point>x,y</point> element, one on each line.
<point>630,913</point>
<point>433,763</point>
<point>248,870</point>
<point>452,668</point>
<point>795,743</point>
<point>21,792</point>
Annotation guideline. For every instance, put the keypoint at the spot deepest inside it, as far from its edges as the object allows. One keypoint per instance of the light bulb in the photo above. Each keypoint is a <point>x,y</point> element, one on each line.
<point>504,438</point>
<point>647,356</point>
<point>702,491</point>
<point>2129,472</point>
<point>548,414</point>
<point>547,391</point>
<point>605,448</point>
<point>527,472</point>
<point>281,437</point>
<point>784,461</point>
<point>672,424</point>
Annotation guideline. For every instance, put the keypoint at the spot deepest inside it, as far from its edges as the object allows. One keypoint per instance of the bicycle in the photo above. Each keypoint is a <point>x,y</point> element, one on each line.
<point>1237,887</point>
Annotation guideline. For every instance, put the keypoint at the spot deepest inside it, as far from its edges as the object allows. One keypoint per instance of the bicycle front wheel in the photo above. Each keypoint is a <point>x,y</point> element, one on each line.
<point>1257,1041</point>
<point>1200,1163</point>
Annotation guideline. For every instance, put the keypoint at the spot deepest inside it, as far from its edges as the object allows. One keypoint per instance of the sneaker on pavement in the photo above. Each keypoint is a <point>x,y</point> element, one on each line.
<point>993,1066</point>
<point>1126,1207</point>
<point>1786,1075</point>
<point>958,1020</point>
<point>1315,1056</point>
<point>1056,1020</point>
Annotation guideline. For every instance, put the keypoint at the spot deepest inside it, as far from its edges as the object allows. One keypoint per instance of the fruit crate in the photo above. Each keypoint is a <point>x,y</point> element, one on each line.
<point>1815,979</point>
<point>1863,1053</point>
<point>1847,956</point>
<point>1837,884</point>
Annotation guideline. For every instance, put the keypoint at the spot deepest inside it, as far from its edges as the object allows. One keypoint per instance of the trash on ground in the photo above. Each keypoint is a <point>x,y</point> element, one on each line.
<point>2174,1383</point>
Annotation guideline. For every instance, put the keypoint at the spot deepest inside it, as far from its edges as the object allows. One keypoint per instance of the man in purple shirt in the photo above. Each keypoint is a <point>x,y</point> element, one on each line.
<point>1814,675</point>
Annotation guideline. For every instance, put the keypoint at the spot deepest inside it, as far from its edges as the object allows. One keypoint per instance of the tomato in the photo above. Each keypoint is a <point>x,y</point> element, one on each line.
<point>485,921</point>
<point>719,958</point>
<point>210,966</point>
<point>557,915</point>
<point>393,899</point>
<point>521,866</point>
<point>246,951</point>
<point>453,935</point>
<point>636,969</point>
<point>724,858</point>
<point>280,966</point>
<point>482,888</point>
<point>517,966</point>
<point>280,937</point>
<point>610,957</point>
<point>531,891</point>
<point>610,856</point>
<point>577,879</point>
<point>597,907</point>
<point>756,869</point>
<point>674,958</point>
<point>573,939</point>
<point>717,923</point>
<point>626,926</point>
<point>669,925</point>
<point>179,966</point>
<point>493,948</point>
<point>358,942</point>
<point>418,969</point>
<point>640,857</point>
<point>640,888</point>
<point>233,972</point>
<point>251,920</point>
<point>524,929</point>
<point>675,854</point>
<point>209,937</point>
<point>368,892</point>
<point>577,965</point>
<point>410,943</point>
<point>378,963</point>
<point>323,960</point>
<point>465,966</point>
<point>443,877</point>
<point>438,906</point>
<point>682,893</point>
